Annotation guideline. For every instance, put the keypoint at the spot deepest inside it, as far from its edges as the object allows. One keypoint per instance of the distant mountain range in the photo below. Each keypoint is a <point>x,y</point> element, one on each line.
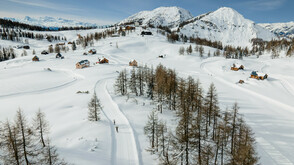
<point>281,29</point>
<point>51,22</point>
<point>225,24</point>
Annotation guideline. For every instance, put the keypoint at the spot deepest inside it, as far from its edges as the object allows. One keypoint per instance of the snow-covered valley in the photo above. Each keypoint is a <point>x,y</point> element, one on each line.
<point>267,105</point>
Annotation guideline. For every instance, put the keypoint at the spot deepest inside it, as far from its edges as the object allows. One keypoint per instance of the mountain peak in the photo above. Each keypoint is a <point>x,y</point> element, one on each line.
<point>164,16</point>
<point>225,25</point>
<point>228,15</point>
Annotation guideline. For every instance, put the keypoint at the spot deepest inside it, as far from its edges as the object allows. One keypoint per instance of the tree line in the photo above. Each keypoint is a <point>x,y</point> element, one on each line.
<point>14,24</point>
<point>259,47</point>
<point>274,47</point>
<point>24,142</point>
<point>17,35</point>
<point>204,134</point>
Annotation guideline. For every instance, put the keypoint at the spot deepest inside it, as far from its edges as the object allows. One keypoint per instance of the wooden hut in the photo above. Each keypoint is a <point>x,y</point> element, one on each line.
<point>104,60</point>
<point>35,58</point>
<point>82,64</point>
<point>58,55</point>
<point>241,81</point>
<point>146,33</point>
<point>26,47</point>
<point>133,63</point>
<point>263,77</point>
<point>255,76</point>
<point>236,68</point>
<point>44,52</point>
<point>129,28</point>
<point>92,51</point>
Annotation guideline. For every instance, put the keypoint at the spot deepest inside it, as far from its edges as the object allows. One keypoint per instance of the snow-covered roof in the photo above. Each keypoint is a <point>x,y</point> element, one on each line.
<point>84,62</point>
<point>254,73</point>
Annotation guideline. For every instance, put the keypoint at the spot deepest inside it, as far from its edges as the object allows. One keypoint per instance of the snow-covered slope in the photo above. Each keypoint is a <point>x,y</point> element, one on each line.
<point>164,16</point>
<point>267,105</point>
<point>281,29</point>
<point>51,22</point>
<point>225,25</point>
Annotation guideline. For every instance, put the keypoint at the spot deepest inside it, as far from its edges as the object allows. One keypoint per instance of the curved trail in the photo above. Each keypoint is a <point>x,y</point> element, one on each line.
<point>124,145</point>
<point>74,80</point>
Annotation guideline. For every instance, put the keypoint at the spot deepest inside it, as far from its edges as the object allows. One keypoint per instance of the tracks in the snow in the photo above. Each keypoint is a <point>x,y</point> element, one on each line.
<point>124,145</point>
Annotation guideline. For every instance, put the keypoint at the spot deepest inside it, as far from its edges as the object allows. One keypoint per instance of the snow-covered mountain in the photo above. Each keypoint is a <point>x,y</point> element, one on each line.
<point>51,22</point>
<point>225,25</point>
<point>164,16</point>
<point>281,29</point>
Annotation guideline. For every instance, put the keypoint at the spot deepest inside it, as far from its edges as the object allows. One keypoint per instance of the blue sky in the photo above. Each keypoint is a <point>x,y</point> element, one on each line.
<point>112,11</point>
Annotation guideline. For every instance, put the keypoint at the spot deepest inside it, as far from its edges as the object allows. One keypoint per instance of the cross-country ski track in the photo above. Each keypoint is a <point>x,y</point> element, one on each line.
<point>124,145</point>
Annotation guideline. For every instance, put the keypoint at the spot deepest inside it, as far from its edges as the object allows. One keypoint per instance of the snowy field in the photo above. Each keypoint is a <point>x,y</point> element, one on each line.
<point>267,105</point>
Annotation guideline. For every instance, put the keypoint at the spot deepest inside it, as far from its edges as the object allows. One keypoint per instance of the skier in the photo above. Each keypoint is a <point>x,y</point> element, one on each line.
<point>116,129</point>
<point>113,122</point>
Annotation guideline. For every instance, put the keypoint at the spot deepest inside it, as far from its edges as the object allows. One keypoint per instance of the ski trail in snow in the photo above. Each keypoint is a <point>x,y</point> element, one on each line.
<point>285,83</point>
<point>75,78</point>
<point>288,86</point>
<point>277,156</point>
<point>124,149</point>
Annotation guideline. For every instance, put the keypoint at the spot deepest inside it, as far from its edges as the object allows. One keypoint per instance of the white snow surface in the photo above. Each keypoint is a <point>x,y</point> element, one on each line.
<point>226,25</point>
<point>164,16</point>
<point>282,29</point>
<point>51,22</point>
<point>267,105</point>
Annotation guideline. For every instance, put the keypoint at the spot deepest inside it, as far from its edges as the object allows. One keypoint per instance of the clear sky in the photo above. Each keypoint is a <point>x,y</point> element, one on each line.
<point>112,11</point>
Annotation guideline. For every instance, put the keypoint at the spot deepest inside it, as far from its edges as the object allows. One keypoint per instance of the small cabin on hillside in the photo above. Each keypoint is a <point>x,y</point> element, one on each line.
<point>58,55</point>
<point>44,52</point>
<point>236,68</point>
<point>133,63</point>
<point>82,64</point>
<point>35,58</point>
<point>162,56</point>
<point>92,51</point>
<point>104,60</point>
<point>26,47</point>
<point>241,81</point>
<point>129,28</point>
<point>146,33</point>
<point>255,76</point>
